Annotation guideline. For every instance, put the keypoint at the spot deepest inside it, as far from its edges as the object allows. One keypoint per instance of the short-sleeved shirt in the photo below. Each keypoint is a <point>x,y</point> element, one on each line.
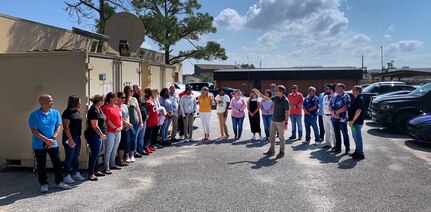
<point>358,103</point>
<point>296,99</point>
<point>340,101</point>
<point>167,103</point>
<point>96,114</point>
<point>142,106</point>
<point>125,112</point>
<point>132,104</point>
<point>45,123</point>
<point>281,105</point>
<point>205,104</point>
<point>175,104</point>
<point>153,113</point>
<point>222,103</point>
<point>266,106</point>
<point>113,114</point>
<point>326,103</point>
<point>238,103</point>
<point>311,101</point>
<point>75,122</point>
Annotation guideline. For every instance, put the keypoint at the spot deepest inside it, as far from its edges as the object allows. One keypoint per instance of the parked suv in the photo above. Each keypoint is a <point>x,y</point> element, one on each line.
<point>197,86</point>
<point>379,88</point>
<point>394,111</point>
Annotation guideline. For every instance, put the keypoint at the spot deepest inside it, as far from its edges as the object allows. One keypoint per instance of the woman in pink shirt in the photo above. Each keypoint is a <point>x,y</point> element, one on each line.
<point>238,105</point>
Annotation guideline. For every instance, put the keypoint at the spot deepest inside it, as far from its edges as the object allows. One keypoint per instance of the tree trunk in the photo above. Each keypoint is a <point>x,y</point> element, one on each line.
<point>167,62</point>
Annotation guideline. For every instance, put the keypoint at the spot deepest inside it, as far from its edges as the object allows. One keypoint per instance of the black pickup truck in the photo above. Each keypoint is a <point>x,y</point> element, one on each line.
<point>395,111</point>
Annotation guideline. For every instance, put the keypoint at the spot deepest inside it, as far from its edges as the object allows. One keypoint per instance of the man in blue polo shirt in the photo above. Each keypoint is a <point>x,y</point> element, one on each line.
<point>45,125</point>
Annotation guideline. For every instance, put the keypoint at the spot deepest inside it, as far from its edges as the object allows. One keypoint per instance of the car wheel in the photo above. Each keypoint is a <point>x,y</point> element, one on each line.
<point>401,121</point>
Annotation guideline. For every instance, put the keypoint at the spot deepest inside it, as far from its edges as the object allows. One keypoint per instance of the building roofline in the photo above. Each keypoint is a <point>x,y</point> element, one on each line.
<point>33,22</point>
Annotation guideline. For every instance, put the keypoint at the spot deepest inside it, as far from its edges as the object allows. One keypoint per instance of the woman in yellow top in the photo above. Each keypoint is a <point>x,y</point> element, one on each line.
<point>205,105</point>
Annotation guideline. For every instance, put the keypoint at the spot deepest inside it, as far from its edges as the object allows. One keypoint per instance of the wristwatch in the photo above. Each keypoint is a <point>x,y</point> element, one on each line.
<point>54,138</point>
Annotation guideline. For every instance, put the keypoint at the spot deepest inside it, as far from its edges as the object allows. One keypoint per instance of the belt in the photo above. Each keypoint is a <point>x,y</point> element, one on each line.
<point>327,114</point>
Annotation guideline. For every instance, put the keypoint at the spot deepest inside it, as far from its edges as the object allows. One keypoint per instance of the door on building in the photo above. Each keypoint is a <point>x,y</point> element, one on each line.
<point>257,84</point>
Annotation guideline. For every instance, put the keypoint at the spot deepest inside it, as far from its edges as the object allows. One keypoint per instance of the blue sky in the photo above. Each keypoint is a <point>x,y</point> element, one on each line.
<point>283,33</point>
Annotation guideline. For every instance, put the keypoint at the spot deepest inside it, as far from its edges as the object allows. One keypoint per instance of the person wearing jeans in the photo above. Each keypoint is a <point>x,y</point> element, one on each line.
<point>166,102</point>
<point>135,119</point>
<point>311,105</point>
<point>356,121</point>
<point>45,125</point>
<point>339,106</point>
<point>205,104</point>
<point>140,132</point>
<point>296,100</point>
<point>95,135</point>
<point>188,105</point>
<point>72,125</point>
<point>238,105</point>
<point>114,122</point>
<point>267,108</point>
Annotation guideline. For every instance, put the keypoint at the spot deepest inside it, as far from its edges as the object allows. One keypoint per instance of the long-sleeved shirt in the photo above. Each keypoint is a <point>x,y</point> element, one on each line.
<point>188,104</point>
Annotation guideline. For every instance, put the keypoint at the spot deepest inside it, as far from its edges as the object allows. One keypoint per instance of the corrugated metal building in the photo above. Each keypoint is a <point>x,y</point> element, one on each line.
<point>247,79</point>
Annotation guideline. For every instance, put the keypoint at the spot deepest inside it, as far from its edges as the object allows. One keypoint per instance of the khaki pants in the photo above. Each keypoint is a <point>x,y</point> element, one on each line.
<point>188,126</point>
<point>222,124</point>
<point>277,127</point>
<point>174,127</point>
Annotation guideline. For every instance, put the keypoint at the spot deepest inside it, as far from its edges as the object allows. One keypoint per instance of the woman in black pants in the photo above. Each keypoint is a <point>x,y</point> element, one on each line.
<point>95,135</point>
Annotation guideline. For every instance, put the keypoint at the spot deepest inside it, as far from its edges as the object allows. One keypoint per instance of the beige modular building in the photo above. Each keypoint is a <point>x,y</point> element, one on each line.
<point>37,59</point>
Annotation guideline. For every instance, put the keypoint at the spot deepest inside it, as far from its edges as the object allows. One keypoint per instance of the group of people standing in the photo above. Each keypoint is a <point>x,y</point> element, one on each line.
<point>134,123</point>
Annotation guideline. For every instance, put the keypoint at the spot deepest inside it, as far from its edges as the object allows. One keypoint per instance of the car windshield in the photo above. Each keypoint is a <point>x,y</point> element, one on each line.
<point>424,89</point>
<point>180,86</point>
<point>369,89</point>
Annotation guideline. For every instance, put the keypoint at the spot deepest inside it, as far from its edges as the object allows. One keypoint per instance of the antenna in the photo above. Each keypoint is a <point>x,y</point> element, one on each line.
<point>126,32</point>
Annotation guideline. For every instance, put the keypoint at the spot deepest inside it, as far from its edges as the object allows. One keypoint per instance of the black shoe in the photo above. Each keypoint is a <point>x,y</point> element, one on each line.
<point>299,138</point>
<point>326,147</point>
<point>353,154</point>
<point>347,151</point>
<point>269,153</point>
<point>174,140</point>
<point>335,150</point>
<point>280,155</point>
<point>166,143</point>
<point>137,155</point>
<point>144,153</point>
<point>292,137</point>
<point>358,156</point>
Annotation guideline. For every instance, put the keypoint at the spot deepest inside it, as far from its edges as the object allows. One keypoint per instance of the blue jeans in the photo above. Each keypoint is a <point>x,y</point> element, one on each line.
<point>139,140</point>
<point>72,155</point>
<point>296,120</point>
<point>357,136</point>
<point>311,121</point>
<point>237,126</point>
<point>340,127</point>
<point>164,129</point>
<point>267,123</point>
<point>111,148</point>
<point>95,143</point>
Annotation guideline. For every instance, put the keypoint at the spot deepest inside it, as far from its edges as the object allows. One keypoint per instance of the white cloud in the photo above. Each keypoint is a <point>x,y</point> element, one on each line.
<point>405,45</point>
<point>387,37</point>
<point>359,38</point>
<point>391,28</point>
<point>230,19</point>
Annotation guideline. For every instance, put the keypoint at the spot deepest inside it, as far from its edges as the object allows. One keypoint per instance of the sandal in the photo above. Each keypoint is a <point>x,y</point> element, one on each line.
<point>107,171</point>
<point>92,178</point>
<point>99,174</point>
<point>122,163</point>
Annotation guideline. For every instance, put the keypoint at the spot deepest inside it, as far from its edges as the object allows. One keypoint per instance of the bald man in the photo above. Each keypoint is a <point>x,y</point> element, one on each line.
<point>45,125</point>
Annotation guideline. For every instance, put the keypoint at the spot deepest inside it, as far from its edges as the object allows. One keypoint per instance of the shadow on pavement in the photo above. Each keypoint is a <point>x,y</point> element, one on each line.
<point>424,147</point>
<point>348,164</point>
<point>385,133</point>
<point>372,124</point>
<point>265,161</point>
<point>20,183</point>
<point>325,156</point>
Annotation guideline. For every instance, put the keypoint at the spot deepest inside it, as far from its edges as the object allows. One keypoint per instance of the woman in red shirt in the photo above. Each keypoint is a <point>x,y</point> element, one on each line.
<point>114,121</point>
<point>152,122</point>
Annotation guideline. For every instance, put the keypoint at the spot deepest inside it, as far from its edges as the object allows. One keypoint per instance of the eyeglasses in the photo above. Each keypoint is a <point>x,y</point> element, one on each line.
<point>123,97</point>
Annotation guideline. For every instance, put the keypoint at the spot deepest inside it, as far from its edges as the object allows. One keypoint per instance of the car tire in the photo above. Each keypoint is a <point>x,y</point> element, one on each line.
<point>401,121</point>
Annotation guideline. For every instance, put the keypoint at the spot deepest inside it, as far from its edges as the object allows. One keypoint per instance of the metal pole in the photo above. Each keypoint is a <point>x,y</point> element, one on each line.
<point>381,57</point>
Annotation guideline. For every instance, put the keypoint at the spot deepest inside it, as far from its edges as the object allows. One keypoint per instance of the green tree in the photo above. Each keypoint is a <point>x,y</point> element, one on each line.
<point>246,66</point>
<point>206,77</point>
<point>169,21</point>
<point>98,10</point>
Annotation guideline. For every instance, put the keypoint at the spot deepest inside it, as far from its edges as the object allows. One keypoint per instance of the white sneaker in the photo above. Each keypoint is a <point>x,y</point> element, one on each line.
<point>68,179</point>
<point>253,138</point>
<point>316,143</point>
<point>78,177</point>
<point>182,137</point>
<point>128,160</point>
<point>132,159</point>
<point>64,186</point>
<point>44,188</point>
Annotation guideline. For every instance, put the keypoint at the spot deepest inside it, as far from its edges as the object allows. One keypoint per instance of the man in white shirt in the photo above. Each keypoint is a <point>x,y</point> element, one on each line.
<point>188,105</point>
<point>327,123</point>
<point>223,102</point>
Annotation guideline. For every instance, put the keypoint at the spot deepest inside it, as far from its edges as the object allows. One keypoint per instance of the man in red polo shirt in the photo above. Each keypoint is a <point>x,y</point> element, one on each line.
<point>296,99</point>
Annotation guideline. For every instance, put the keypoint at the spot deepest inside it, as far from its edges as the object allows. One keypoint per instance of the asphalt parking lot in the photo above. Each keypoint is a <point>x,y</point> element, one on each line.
<point>235,176</point>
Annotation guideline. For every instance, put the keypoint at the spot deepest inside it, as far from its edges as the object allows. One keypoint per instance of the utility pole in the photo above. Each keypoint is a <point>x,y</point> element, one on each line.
<point>381,57</point>
<point>362,61</point>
